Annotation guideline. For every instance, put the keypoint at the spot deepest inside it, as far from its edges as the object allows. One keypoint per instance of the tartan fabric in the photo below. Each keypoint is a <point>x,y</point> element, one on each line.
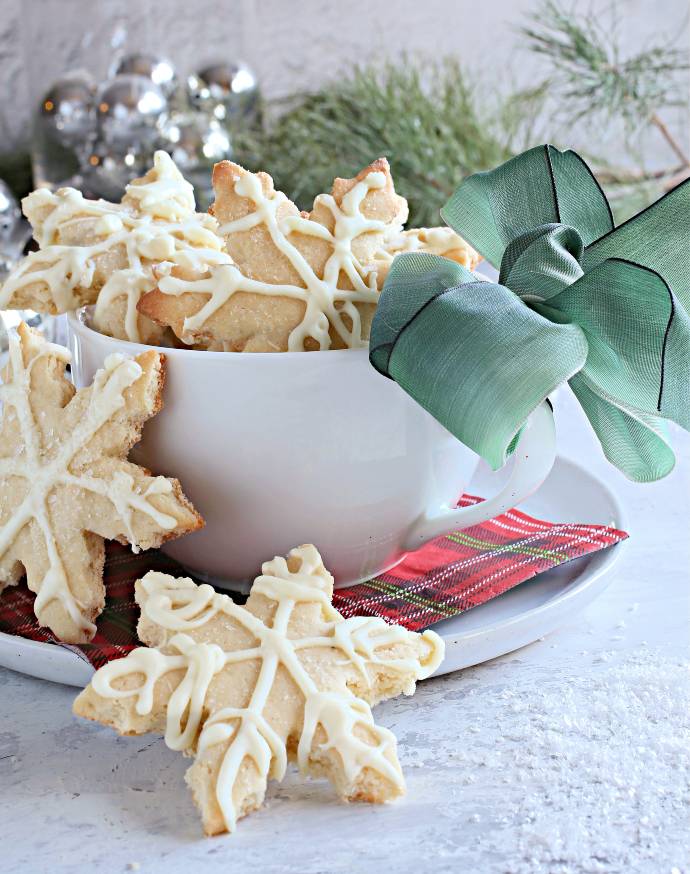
<point>116,633</point>
<point>447,576</point>
<point>464,569</point>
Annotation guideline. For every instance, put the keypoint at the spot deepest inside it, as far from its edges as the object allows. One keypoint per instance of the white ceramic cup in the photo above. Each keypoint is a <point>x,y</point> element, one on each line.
<point>276,450</point>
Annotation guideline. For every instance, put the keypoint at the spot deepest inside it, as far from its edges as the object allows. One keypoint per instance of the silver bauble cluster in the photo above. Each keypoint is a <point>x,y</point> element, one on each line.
<point>99,137</point>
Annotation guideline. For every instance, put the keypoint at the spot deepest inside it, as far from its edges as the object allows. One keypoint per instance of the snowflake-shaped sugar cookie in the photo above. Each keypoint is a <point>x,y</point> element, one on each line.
<point>441,241</point>
<point>244,689</point>
<point>65,483</point>
<point>292,281</point>
<point>93,251</point>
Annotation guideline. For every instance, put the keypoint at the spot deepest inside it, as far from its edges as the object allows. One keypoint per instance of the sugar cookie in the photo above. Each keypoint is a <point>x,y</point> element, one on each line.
<point>292,281</point>
<point>65,483</point>
<point>93,251</point>
<point>245,689</point>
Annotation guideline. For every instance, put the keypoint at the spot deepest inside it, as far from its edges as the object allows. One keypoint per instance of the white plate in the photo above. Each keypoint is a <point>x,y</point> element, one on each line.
<point>539,606</point>
<point>514,619</point>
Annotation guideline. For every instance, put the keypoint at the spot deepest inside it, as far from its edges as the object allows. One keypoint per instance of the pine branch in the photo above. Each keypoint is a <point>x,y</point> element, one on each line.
<point>670,139</point>
<point>623,176</point>
<point>593,79</point>
<point>435,129</point>
<point>426,121</point>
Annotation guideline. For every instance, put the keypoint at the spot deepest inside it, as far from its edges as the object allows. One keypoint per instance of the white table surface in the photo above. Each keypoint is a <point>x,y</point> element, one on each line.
<point>571,755</point>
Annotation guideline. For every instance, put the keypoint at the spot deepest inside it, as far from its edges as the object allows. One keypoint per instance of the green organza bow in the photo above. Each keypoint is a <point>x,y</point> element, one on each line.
<point>578,299</point>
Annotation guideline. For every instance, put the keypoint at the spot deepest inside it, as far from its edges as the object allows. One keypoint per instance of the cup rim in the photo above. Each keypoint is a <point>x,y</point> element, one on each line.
<point>77,322</point>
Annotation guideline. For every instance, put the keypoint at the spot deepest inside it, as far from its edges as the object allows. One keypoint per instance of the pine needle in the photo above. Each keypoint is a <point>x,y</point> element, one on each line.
<point>592,77</point>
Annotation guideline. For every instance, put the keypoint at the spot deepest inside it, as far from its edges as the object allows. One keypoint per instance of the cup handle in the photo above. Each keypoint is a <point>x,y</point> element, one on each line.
<point>534,456</point>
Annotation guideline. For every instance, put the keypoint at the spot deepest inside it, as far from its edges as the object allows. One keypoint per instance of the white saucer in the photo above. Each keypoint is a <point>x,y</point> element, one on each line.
<point>519,617</point>
<point>538,607</point>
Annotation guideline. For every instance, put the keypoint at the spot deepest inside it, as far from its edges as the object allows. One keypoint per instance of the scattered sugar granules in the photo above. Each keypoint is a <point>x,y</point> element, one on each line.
<point>581,769</point>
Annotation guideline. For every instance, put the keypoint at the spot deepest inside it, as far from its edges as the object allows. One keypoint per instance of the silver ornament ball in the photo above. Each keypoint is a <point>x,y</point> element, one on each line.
<point>228,91</point>
<point>10,214</point>
<point>15,231</point>
<point>158,70</point>
<point>194,140</point>
<point>107,171</point>
<point>130,110</point>
<point>68,110</point>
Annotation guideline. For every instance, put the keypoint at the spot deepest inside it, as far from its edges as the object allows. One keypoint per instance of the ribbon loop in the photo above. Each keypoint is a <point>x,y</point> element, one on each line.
<point>473,355</point>
<point>540,186</point>
<point>604,308</point>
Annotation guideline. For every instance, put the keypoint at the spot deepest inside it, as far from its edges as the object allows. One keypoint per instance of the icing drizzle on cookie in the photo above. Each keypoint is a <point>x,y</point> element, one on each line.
<point>181,608</point>
<point>325,302</point>
<point>436,241</point>
<point>45,467</point>
<point>155,222</point>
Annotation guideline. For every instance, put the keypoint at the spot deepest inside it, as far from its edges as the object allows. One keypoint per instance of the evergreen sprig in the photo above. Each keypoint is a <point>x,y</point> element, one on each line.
<point>595,80</point>
<point>435,127</point>
<point>425,121</point>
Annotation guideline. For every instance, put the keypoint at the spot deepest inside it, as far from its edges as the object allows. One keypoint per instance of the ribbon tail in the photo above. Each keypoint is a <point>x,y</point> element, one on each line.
<point>636,443</point>
<point>638,336</point>
<point>637,371</point>
<point>469,351</point>
<point>412,282</point>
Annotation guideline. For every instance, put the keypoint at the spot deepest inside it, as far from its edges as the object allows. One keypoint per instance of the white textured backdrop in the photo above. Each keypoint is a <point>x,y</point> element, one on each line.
<point>292,45</point>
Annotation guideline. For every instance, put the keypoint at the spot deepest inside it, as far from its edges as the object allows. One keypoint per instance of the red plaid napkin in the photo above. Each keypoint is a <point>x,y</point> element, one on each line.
<point>445,577</point>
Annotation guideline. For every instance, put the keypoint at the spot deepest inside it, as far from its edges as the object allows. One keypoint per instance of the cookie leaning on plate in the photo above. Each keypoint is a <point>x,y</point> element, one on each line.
<point>293,281</point>
<point>244,689</point>
<point>65,483</point>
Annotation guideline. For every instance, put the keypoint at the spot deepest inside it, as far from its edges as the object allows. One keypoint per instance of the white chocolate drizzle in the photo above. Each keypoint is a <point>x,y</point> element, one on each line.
<point>155,222</point>
<point>325,302</point>
<point>438,241</point>
<point>46,468</point>
<point>181,607</point>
